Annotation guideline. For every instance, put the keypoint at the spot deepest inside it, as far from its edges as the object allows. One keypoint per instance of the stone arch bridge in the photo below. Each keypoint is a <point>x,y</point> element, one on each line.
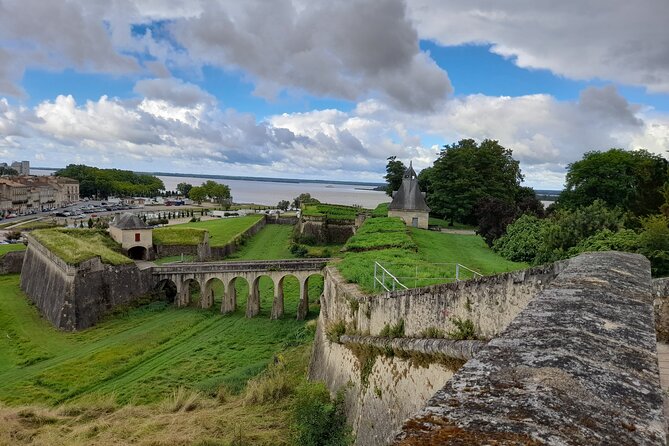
<point>204,274</point>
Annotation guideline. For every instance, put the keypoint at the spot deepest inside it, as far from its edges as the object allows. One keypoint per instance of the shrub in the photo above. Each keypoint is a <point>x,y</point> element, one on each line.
<point>298,250</point>
<point>334,330</point>
<point>464,329</point>
<point>432,333</point>
<point>654,241</point>
<point>319,420</point>
<point>522,240</point>
<point>393,331</point>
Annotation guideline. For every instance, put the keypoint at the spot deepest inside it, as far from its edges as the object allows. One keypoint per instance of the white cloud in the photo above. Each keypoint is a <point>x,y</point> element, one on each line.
<point>617,40</point>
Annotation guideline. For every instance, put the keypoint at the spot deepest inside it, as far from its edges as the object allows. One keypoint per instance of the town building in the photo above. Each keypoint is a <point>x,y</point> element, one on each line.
<point>28,193</point>
<point>409,202</point>
<point>21,167</point>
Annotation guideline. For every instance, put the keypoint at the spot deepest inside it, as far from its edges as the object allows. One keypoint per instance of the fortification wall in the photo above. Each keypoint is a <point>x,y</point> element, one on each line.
<point>577,366</point>
<point>378,401</point>
<point>319,230</point>
<point>660,291</point>
<point>279,220</point>
<point>490,302</point>
<point>12,262</point>
<point>221,252</point>
<point>76,297</point>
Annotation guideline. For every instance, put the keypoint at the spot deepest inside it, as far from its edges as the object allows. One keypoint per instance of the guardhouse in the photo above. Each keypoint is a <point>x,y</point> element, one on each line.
<point>135,236</point>
<point>409,202</point>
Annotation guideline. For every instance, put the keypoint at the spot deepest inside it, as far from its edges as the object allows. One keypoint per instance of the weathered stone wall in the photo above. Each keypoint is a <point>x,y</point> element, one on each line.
<point>321,230</point>
<point>12,262</point>
<point>423,217</point>
<point>661,306</point>
<point>394,389</point>
<point>577,366</point>
<point>278,220</point>
<point>76,297</point>
<point>490,302</point>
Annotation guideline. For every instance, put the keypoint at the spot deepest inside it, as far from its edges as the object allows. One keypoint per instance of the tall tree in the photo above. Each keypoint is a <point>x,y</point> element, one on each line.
<point>183,188</point>
<point>632,180</point>
<point>394,173</point>
<point>197,194</point>
<point>467,172</point>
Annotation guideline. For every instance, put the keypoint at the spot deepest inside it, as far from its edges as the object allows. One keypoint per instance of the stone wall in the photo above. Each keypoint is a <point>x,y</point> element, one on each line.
<point>490,302</point>
<point>321,230</point>
<point>577,366</point>
<point>661,306</point>
<point>11,262</point>
<point>396,387</point>
<point>422,217</point>
<point>76,297</point>
<point>279,220</point>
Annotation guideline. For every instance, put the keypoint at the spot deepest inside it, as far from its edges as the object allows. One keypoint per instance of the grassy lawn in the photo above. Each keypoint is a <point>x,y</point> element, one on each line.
<point>434,221</point>
<point>178,235</point>
<point>140,357</point>
<point>4,249</point>
<point>428,259</point>
<point>272,242</point>
<point>76,245</point>
<point>221,231</point>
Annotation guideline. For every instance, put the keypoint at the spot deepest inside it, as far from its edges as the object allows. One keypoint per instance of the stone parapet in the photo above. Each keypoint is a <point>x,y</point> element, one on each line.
<point>465,349</point>
<point>577,366</point>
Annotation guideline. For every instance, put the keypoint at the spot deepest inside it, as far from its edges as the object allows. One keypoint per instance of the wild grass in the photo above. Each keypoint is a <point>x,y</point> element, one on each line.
<point>77,245</point>
<point>178,235</point>
<point>430,258</point>
<point>331,211</point>
<point>381,210</point>
<point>272,242</point>
<point>434,221</point>
<point>38,224</point>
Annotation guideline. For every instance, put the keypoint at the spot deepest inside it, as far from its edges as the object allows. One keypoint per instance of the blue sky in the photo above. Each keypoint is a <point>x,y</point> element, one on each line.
<point>327,90</point>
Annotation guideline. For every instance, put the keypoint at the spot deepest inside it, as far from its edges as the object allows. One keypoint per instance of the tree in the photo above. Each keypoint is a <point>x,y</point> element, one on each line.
<point>184,188</point>
<point>465,173</point>
<point>631,180</point>
<point>394,172</point>
<point>197,194</point>
<point>7,171</point>
<point>304,198</point>
<point>283,205</point>
<point>219,193</point>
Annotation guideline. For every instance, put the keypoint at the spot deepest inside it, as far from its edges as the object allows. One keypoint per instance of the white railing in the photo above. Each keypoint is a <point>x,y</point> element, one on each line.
<point>421,275</point>
<point>381,274</point>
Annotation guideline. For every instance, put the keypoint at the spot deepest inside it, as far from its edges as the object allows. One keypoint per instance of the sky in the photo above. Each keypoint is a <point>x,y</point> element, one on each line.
<point>329,90</point>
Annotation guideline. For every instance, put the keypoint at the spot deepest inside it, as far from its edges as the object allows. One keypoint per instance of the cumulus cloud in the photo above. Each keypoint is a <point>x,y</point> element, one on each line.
<point>618,40</point>
<point>340,49</point>
<point>174,91</point>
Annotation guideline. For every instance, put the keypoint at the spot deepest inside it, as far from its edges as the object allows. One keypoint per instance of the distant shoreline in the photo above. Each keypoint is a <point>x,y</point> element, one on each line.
<point>232,177</point>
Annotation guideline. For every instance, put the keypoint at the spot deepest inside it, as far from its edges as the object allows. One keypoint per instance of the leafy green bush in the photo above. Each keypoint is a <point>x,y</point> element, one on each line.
<point>298,250</point>
<point>607,240</point>
<point>319,420</point>
<point>522,240</point>
<point>654,241</point>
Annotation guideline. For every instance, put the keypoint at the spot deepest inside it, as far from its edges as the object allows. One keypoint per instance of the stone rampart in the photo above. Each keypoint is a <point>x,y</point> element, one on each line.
<point>577,366</point>
<point>490,302</point>
<point>11,262</point>
<point>73,297</point>
<point>322,230</point>
<point>279,220</point>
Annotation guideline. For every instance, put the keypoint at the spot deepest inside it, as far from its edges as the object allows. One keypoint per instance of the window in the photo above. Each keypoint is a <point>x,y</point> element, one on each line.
<point>137,237</point>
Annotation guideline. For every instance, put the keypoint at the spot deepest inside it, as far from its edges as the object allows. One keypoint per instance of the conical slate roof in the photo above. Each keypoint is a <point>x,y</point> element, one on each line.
<point>128,220</point>
<point>409,197</point>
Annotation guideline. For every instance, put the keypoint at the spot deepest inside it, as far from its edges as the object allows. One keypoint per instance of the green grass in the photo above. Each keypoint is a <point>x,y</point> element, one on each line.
<point>381,210</point>
<point>4,249</point>
<point>272,242</point>
<point>430,259</point>
<point>223,231</point>
<point>139,357</point>
<point>38,224</point>
<point>77,245</point>
<point>434,221</point>
<point>178,235</point>
<point>331,211</point>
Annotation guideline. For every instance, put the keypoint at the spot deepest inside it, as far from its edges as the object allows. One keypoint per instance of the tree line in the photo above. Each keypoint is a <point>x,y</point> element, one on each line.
<point>102,183</point>
<point>615,199</point>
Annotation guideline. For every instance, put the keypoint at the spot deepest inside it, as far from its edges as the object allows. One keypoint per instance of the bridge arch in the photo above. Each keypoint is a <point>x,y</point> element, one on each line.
<point>214,294</point>
<point>287,296</point>
<point>260,285</point>
<point>167,290</point>
<point>191,293</point>
<point>311,288</point>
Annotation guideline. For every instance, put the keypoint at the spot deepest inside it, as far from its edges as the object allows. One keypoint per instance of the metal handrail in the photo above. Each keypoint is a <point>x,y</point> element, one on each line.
<point>382,281</point>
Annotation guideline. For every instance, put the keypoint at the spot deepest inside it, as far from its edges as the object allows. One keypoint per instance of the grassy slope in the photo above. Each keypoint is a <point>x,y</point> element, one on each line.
<point>177,235</point>
<point>76,245</point>
<point>273,242</point>
<point>4,249</point>
<point>222,231</point>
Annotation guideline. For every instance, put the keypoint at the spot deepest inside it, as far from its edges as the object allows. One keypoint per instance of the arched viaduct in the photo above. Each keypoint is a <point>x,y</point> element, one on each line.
<point>204,274</point>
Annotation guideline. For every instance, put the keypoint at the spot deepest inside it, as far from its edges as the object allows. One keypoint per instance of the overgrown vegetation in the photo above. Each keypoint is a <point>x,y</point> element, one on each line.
<point>381,233</point>
<point>393,331</point>
<point>464,329</point>
<point>330,211</point>
<point>318,419</point>
<point>221,231</point>
<point>77,245</point>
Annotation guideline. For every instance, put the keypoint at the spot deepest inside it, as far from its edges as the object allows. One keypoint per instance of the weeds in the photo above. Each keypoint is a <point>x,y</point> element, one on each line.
<point>393,331</point>
<point>334,330</point>
<point>464,329</point>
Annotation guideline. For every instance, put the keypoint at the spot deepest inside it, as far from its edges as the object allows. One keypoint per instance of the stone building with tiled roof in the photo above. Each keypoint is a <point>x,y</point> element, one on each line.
<point>409,202</point>
<point>135,236</point>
